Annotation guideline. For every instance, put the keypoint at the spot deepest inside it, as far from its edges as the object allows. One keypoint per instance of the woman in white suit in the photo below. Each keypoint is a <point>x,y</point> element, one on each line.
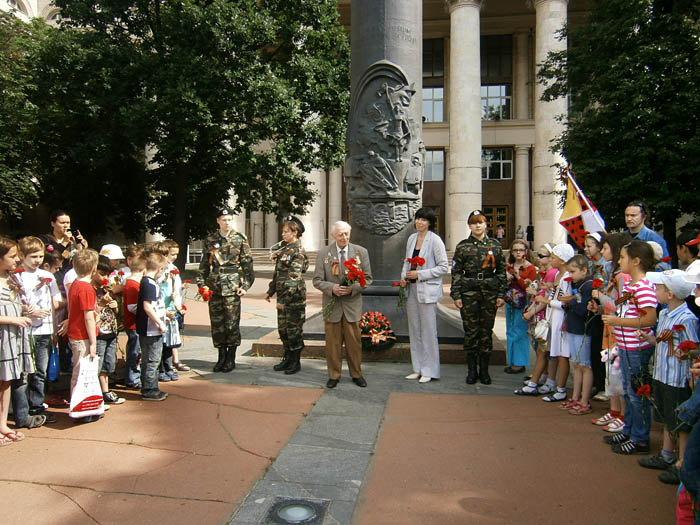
<point>424,284</point>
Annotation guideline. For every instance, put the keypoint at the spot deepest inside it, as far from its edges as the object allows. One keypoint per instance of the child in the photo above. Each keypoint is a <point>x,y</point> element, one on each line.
<point>578,329</point>
<point>176,300</point>
<point>598,268</point>
<point>108,331</point>
<point>616,280</point>
<point>150,325</point>
<point>671,368</point>
<point>15,351</point>
<point>520,272</point>
<point>686,249</point>
<point>41,292</point>
<point>82,327</point>
<point>637,312</point>
<point>136,262</point>
<point>170,287</point>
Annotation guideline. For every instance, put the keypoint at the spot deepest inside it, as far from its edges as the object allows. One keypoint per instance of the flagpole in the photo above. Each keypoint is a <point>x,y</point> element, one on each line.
<point>570,175</point>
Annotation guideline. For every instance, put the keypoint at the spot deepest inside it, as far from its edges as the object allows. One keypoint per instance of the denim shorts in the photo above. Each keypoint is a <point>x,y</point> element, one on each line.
<point>107,352</point>
<point>580,349</point>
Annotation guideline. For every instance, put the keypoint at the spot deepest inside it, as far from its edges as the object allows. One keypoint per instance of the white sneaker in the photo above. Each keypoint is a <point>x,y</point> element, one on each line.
<point>414,375</point>
<point>615,426</point>
<point>601,396</point>
<point>424,379</point>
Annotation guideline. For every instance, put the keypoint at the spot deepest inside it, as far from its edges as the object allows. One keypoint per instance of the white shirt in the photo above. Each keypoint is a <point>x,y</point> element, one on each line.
<point>40,293</point>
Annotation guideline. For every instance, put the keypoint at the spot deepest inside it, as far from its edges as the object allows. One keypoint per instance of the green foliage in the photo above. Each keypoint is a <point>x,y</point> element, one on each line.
<point>633,75</point>
<point>224,96</point>
<point>18,176</point>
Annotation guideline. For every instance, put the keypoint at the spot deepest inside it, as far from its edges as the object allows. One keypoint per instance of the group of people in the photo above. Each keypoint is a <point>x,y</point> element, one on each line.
<point>61,302</point>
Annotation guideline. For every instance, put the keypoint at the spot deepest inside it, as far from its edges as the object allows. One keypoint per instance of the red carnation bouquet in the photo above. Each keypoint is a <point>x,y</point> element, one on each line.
<point>352,275</point>
<point>205,294</point>
<point>415,262</point>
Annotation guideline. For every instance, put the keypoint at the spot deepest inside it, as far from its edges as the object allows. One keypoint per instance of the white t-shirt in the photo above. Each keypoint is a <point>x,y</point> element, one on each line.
<point>40,288</point>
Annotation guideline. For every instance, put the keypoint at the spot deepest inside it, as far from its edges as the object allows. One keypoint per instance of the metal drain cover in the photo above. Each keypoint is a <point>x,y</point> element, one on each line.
<point>296,510</point>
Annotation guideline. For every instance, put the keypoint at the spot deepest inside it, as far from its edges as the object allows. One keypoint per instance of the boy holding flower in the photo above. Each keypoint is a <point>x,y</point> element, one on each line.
<point>676,326</point>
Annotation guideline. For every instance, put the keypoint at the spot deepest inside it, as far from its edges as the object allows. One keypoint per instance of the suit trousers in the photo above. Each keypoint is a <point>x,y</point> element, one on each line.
<point>348,332</point>
<point>422,332</point>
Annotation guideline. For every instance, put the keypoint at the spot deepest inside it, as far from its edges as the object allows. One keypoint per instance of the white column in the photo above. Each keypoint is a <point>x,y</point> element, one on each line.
<point>463,180</point>
<point>335,200</point>
<point>314,219</point>
<point>271,230</point>
<point>238,220</point>
<point>551,17</point>
<point>257,220</point>
<point>522,185</point>
<point>521,90</point>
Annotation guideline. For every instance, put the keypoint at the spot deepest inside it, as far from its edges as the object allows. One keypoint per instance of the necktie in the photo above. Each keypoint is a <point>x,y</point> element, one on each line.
<point>342,261</point>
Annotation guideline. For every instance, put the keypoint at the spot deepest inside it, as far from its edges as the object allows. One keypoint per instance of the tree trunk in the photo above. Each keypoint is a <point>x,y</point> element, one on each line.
<point>180,227</point>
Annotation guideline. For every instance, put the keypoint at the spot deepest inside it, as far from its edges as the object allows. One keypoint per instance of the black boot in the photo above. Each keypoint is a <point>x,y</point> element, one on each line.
<point>286,360</point>
<point>484,376</point>
<point>222,358</point>
<point>471,368</point>
<point>230,362</point>
<point>294,364</point>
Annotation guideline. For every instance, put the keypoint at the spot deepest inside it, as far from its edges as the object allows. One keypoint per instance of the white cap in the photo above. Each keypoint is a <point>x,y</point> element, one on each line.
<point>693,272</point>
<point>112,251</point>
<point>674,280</point>
<point>658,251</point>
<point>563,251</point>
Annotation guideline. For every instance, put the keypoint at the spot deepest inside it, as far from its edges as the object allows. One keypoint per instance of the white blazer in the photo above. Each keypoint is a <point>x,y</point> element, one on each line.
<point>429,283</point>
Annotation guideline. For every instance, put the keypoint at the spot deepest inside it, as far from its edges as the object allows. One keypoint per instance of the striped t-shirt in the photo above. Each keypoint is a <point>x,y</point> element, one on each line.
<point>643,296</point>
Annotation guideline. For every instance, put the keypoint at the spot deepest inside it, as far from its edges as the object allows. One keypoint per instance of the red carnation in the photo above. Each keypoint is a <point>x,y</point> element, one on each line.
<point>104,283</point>
<point>567,279</point>
<point>687,346</point>
<point>352,275</point>
<point>175,272</point>
<point>644,391</point>
<point>362,281</point>
<point>49,248</point>
<point>678,328</point>
<point>184,307</point>
<point>597,283</point>
<point>120,272</point>
<point>18,270</point>
<point>396,283</point>
<point>187,281</point>
<point>665,259</point>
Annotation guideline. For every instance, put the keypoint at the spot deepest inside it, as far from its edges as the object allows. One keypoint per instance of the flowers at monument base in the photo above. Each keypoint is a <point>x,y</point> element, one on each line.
<point>376,331</point>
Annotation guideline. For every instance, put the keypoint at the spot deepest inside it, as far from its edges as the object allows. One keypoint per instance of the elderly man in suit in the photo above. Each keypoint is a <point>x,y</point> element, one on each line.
<point>342,323</point>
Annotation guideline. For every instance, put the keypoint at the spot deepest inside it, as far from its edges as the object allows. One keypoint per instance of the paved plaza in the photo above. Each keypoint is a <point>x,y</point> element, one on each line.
<point>223,448</point>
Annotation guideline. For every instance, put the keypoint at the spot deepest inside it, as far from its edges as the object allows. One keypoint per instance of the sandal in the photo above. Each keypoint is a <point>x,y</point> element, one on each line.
<point>181,367</point>
<point>523,392</point>
<point>35,421</point>
<point>556,396</point>
<point>4,441</point>
<point>580,410</point>
<point>566,405</point>
<point>14,436</point>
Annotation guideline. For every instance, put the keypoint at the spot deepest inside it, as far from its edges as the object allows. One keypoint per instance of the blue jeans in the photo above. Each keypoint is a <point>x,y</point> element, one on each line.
<point>37,381</point>
<point>133,350</point>
<point>166,362</point>
<point>690,469</point>
<point>637,410</point>
<point>107,353</point>
<point>20,403</point>
<point>151,351</point>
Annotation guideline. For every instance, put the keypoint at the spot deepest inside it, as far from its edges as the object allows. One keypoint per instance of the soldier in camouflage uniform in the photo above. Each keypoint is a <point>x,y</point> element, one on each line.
<point>227,270</point>
<point>478,287</point>
<point>288,283</point>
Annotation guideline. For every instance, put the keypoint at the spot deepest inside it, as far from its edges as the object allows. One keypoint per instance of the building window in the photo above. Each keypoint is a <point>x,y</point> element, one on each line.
<point>434,165</point>
<point>433,58</point>
<point>433,104</point>
<point>497,164</point>
<point>496,102</point>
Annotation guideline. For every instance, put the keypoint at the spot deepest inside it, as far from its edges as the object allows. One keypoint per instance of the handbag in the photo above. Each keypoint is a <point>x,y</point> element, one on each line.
<point>515,295</point>
<point>540,330</point>
<point>54,365</point>
<point>86,399</point>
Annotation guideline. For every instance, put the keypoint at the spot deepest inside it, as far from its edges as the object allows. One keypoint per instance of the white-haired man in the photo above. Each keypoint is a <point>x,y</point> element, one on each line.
<point>342,304</point>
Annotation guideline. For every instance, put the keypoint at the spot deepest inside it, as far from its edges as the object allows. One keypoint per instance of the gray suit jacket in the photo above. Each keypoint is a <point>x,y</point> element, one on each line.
<point>348,305</point>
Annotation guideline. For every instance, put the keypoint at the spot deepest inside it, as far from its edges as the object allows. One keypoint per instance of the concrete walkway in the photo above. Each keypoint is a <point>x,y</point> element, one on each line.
<point>223,448</point>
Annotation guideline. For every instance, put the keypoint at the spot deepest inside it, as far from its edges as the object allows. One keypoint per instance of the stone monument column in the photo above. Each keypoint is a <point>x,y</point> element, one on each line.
<point>521,91</point>
<point>551,17</point>
<point>522,184</point>
<point>463,181</point>
<point>385,153</point>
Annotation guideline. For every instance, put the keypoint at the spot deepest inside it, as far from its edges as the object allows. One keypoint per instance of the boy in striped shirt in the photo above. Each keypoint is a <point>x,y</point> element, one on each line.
<point>671,372</point>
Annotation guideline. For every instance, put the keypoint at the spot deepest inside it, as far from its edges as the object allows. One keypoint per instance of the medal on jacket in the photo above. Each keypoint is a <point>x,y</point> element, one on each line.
<point>490,260</point>
<point>334,268</point>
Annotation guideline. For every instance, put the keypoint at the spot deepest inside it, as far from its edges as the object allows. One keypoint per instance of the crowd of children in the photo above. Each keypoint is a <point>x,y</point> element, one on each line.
<point>613,305</point>
<point>82,304</point>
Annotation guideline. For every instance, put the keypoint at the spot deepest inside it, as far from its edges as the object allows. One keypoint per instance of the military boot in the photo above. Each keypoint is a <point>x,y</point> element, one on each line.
<point>471,368</point>
<point>484,376</point>
<point>230,362</point>
<point>294,364</point>
<point>222,357</point>
<point>286,360</point>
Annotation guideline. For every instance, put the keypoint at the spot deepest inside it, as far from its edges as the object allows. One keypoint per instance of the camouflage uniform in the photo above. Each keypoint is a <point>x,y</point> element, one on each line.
<point>226,266</point>
<point>288,283</point>
<point>478,287</point>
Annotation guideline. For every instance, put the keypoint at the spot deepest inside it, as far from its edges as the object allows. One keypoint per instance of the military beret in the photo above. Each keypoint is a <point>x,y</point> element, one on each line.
<point>295,220</point>
<point>224,211</point>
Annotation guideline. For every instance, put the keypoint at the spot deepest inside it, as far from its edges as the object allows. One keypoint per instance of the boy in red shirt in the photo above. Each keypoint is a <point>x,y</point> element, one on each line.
<point>136,262</point>
<point>82,328</point>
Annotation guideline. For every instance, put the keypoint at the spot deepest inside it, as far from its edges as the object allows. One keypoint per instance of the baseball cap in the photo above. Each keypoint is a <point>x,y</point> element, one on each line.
<point>694,241</point>
<point>563,251</point>
<point>674,280</point>
<point>112,251</point>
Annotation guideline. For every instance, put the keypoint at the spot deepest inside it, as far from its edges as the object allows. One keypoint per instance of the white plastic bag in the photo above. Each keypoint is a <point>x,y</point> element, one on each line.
<point>86,399</point>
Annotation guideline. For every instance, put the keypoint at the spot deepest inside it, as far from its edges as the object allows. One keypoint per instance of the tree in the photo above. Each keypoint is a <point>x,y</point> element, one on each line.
<point>18,176</point>
<point>633,75</point>
<point>225,97</point>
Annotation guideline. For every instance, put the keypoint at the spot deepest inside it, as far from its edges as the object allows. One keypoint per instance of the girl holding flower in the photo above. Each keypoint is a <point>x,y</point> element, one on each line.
<point>425,264</point>
<point>520,273</point>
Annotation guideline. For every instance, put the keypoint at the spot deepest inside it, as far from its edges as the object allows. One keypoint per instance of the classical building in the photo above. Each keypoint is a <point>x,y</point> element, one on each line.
<point>28,9</point>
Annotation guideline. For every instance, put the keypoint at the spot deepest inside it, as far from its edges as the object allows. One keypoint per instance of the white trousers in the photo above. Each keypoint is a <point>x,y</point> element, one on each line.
<point>422,332</point>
